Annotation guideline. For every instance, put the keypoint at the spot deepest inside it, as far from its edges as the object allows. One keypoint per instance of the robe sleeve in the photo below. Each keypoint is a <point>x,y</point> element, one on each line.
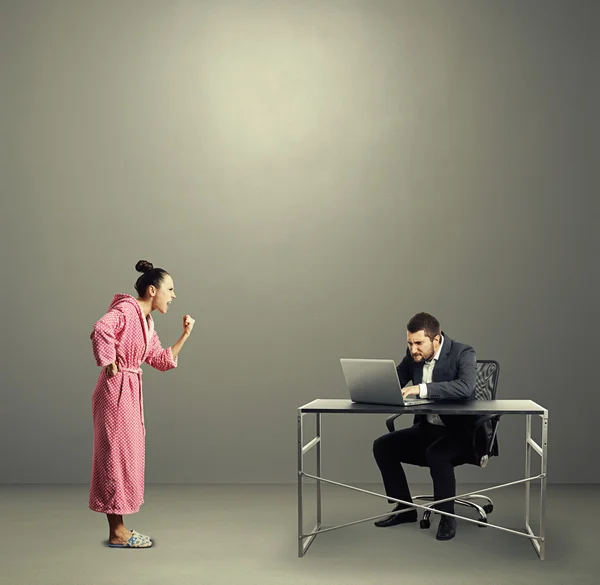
<point>158,357</point>
<point>104,337</point>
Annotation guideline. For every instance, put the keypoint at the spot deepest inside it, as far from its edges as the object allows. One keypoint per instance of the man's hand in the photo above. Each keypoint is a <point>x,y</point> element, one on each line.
<point>411,391</point>
<point>111,370</point>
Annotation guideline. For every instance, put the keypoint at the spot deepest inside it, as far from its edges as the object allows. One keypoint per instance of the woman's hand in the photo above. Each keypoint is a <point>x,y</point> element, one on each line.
<point>111,370</point>
<point>188,324</point>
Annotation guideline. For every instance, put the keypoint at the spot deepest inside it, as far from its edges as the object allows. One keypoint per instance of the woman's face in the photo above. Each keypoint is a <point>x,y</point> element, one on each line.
<point>163,295</point>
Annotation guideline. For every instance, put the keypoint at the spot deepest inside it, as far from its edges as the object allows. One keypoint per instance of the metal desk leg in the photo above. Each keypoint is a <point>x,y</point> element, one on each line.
<point>527,467</point>
<point>530,445</point>
<point>318,431</point>
<point>302,449</point>
<point>300,520</point>
<point>544,471</point>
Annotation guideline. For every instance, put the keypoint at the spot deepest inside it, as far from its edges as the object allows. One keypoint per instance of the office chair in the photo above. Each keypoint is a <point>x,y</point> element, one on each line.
<point>484,442</point>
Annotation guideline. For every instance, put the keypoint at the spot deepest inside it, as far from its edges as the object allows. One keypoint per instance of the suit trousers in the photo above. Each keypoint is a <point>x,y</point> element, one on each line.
<point>426,445</point>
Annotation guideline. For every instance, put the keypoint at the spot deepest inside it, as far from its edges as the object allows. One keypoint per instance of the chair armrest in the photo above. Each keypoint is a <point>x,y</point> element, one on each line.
<point>389,422</point>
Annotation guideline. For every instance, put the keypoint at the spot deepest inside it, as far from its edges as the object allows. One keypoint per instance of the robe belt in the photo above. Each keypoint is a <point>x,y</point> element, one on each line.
<point>132,370</point>
<point>138,372</point>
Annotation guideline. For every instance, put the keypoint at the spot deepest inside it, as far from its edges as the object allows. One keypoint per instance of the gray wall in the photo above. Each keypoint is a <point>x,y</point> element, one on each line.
<point>312,174</point>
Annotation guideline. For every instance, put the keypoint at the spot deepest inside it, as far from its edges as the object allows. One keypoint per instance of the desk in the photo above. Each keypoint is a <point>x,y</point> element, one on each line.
<point>477,407</point>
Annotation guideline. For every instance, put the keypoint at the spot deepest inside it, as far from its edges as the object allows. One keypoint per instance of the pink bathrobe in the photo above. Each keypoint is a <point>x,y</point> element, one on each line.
<point>125,336</point>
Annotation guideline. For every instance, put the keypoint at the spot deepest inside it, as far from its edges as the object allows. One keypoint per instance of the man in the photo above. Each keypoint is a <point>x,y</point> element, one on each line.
<point>440,369</point>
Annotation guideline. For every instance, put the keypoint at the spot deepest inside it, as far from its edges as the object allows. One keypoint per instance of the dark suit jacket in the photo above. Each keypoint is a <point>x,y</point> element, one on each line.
<point>454,378</point>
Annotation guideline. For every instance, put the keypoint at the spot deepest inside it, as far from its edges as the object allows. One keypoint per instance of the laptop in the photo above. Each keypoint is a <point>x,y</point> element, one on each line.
<point>376,382</point>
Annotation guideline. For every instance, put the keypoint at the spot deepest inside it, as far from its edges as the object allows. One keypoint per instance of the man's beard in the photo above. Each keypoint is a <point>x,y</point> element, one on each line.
<point>424,358</point>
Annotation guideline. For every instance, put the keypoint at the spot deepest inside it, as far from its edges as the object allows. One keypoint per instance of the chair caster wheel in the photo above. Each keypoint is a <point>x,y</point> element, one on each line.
<point>425,523</point>
<point>488,508</point>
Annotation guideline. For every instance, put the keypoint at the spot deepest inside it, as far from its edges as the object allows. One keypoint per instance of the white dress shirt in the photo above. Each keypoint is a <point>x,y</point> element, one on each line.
<point>433,419</point>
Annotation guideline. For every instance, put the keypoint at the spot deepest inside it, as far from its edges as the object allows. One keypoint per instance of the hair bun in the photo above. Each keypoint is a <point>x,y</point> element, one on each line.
<point>144,266</point>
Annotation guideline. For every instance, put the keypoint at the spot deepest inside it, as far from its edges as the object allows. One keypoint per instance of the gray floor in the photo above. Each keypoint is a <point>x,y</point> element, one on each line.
<point>247,534</point>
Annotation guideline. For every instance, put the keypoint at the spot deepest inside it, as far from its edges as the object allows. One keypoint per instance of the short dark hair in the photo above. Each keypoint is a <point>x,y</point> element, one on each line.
<point>151,277</point>
<point>424,322</point>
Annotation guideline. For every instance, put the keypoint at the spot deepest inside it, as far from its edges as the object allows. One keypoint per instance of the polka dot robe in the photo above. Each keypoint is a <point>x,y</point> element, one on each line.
<point>126,337</point>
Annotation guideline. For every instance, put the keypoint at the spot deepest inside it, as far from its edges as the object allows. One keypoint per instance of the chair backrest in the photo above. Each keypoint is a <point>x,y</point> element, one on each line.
<point>488,372</point>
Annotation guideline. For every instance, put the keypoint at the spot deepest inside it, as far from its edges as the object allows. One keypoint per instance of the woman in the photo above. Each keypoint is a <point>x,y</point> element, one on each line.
<point>122,340</point>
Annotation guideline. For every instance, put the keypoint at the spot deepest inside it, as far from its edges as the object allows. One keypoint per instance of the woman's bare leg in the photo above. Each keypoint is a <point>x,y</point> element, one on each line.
<point>118,534</point>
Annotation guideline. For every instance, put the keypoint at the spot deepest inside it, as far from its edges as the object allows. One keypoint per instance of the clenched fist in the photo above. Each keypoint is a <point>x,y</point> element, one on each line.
<point>188,324</point>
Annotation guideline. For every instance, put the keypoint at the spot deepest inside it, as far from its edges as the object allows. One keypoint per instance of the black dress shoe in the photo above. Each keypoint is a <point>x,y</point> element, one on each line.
<point>394,519</point>
<point>446,528</point>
